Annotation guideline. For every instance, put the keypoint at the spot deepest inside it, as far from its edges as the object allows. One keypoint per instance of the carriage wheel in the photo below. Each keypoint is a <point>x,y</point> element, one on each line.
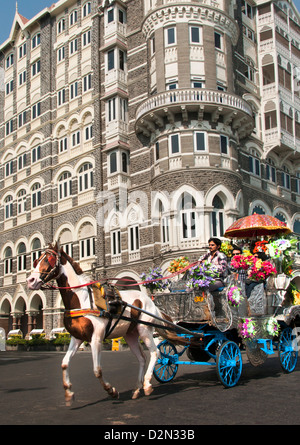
<point>229,364</point>
<point>165,367</point>
<point>287,350</point>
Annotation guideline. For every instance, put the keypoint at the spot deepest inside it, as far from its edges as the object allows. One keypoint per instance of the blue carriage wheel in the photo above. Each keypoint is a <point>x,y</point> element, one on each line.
<point>229,364</point>
<point>287,350</point>
<point>165,367</point>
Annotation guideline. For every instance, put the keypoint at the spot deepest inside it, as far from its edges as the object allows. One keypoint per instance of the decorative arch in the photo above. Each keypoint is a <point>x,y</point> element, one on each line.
<point>223,192</point>
<point>259,203</point>
<point>279,212</point>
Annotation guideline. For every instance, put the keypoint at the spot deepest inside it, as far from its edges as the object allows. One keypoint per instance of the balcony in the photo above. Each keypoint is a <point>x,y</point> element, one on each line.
<point>234,110</point>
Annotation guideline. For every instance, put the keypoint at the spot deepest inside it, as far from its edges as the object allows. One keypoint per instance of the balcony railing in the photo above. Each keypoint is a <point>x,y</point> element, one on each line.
<point>193,96</point>
<point>232,107</point>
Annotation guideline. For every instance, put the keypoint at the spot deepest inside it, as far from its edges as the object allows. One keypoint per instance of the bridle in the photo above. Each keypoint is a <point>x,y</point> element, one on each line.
<point>53,259</point>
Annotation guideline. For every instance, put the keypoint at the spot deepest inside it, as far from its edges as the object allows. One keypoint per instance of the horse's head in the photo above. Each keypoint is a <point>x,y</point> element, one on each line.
<point>46,268</point>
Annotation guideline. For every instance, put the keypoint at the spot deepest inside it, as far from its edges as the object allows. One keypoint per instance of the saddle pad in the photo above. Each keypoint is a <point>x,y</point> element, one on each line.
<point>103,294</point>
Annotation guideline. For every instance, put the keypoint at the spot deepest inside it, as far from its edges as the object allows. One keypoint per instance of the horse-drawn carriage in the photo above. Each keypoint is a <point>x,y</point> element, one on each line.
<point>260,325</point>
<point>203,322</point>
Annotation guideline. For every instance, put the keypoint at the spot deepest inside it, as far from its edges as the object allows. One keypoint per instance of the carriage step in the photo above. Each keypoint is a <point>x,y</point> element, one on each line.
<point>267,345</point>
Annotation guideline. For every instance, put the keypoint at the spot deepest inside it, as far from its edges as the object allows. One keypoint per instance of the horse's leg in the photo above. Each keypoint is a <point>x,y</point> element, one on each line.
<point>73,347</point>
<point>146,335</point>
<point>132,339</point>
<point>96,344</point>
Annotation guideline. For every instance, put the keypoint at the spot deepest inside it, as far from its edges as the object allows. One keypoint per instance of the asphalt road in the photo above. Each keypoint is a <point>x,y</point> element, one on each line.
<point>31,393</point>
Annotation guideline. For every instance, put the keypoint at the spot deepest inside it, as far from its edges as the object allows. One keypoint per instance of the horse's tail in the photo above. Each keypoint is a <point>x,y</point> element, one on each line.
<point>171,335</point>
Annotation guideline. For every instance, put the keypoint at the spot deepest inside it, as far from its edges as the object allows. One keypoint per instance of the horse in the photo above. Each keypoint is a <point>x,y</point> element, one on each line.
<point>82,320</point>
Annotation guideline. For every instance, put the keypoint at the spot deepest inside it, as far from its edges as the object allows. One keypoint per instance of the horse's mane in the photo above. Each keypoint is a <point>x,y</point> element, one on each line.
<point>65,257</point>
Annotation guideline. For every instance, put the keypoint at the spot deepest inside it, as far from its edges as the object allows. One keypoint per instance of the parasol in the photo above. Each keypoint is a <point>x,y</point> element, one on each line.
<point>256,225</point>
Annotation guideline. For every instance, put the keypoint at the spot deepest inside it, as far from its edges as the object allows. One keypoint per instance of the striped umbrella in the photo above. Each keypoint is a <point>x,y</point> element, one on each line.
<point>256,225</point>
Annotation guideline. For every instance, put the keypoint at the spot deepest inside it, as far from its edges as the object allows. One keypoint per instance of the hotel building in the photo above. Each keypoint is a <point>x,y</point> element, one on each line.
<point>132,131</point>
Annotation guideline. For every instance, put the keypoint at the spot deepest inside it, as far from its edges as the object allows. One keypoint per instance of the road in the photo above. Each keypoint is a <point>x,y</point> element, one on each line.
<point>31,393</point>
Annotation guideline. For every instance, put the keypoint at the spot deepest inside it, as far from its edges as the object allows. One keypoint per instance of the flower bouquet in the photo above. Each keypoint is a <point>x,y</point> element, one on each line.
<point>260,246</point>
<point>226,248</point>
<point>243,262</point>
<point>296,297</point>
<point>234,296</point>
<point>272,326</point>
<point>261,270</point>
<point>153,280</point>
<point>178,264</point>
<point>281,251</point>
<point>247,328</point>
<point>202,275</point>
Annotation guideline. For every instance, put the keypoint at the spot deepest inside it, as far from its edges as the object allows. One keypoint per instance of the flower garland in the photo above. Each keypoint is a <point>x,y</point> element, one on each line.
<point>247,328</point>
<point>234,295</point>
<point>153,279</point>
<point>272,326</point>
<point>202,275</point>
<point>178,264</point>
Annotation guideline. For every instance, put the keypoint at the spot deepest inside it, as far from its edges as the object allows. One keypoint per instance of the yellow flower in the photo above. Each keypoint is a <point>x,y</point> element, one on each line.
<point>296,295</point>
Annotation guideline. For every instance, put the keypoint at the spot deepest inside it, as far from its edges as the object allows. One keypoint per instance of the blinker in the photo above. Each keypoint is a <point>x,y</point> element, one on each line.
<point>52,261</point>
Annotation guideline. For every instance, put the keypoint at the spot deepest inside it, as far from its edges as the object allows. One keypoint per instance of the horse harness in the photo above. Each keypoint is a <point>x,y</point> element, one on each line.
<point>115,306</point>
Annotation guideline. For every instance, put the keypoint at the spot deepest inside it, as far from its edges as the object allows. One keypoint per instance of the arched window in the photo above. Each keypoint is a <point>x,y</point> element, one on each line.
<point>259,210</point>
<point>86,177</point>
<point>66,241</point>
<point>286,178</point>
<point>188,216</point>
<point>249,71</point>
<point>36,195</point>
<point>8,204</point>
<point>87,241</point>
<point>36,249</point>
<point>164,225</point>
<point>21,202</point>
<point>254,162</point>
<point>217,217</point>
<point>8,261</point>
<point>281,217</point>
<point>86,9</point>
<point>21,260</point>
<point>271,170</point>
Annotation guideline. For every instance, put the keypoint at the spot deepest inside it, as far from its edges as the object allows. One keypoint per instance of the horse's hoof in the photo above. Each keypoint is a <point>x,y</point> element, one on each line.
<point>69,398</point>
<point>148,391</point>
<point>114,393</point>
<point>136,394</point>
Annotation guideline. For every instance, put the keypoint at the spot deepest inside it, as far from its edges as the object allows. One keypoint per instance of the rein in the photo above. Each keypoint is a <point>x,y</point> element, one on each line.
<point>125,279</point>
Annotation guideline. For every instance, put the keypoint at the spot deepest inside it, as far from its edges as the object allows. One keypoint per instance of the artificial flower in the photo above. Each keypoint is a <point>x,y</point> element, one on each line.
<point>234,295</point>
<point>261,270</point>
<point>226,248</point>
<point>296,297</point>
<point>272,326</point>
<point>154,280</point>
<point>178,264</point>
<point>247,328</point>
<point>202,275</point>
<point>243,262</point>
<point>260,246</point>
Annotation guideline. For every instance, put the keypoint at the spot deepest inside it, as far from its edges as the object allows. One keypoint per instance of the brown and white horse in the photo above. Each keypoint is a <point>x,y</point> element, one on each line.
<point>54,263</point>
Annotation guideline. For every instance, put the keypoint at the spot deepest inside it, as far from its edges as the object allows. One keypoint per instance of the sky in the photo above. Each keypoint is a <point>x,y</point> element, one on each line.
<point>29,8</point>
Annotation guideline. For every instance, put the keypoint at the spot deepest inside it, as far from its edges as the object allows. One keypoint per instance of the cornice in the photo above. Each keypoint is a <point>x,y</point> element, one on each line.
<point>205,15</point>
